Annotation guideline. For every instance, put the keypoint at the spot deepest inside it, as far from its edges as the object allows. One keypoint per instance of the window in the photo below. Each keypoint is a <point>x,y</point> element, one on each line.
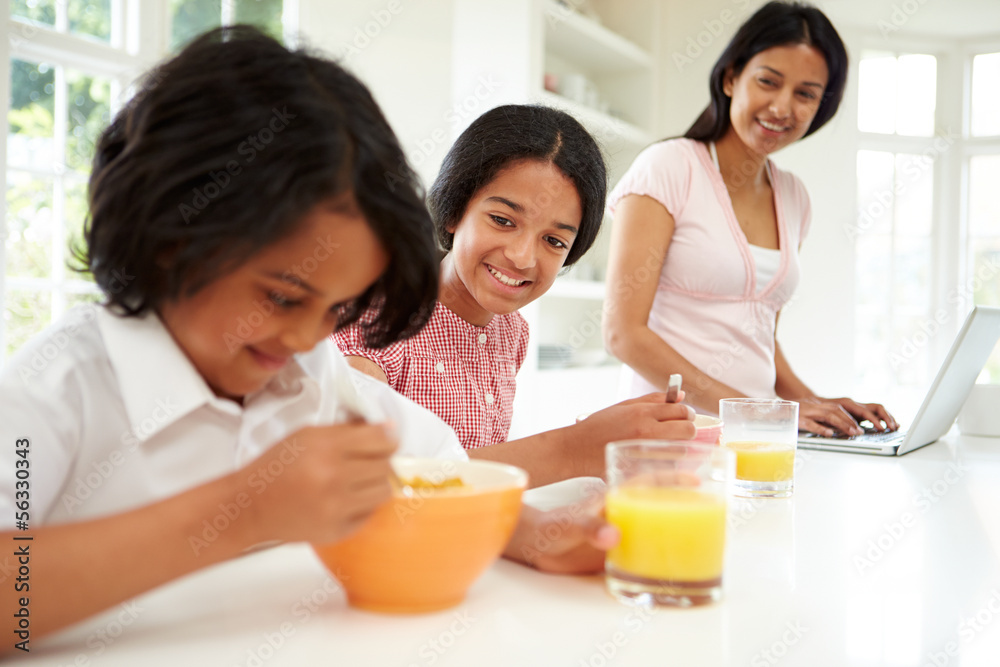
<point>985,95</point>
<point>69,68</point>
<point>926,250</point>
<point>190,18</point>
<point>56,112</point>
<point>895,186</point>
<point>895,191</point>
<point>896,94</point>
<point>96,20</point>
<point>983,250</point>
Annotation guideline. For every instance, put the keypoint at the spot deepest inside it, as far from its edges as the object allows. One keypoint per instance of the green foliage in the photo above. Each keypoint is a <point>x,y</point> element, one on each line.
<point>32,121</point>
<point>25,314</point>
<point>90,17</point>
<point>191,18</point>
<point>265,14</point>
<point>42,11</point>
<point>89,112</point>
<point>32,83</point>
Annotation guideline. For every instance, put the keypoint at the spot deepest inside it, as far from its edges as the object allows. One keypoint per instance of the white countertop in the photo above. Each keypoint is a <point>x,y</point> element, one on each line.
<point>873,561</point>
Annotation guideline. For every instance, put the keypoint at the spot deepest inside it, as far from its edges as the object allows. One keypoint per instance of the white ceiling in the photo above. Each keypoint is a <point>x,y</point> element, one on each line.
<point>944,18</point>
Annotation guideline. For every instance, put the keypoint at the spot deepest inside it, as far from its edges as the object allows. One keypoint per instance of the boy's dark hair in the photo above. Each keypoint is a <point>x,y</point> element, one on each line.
<point>222,152</point>
<point>775,24</point>
<point>516,132</point>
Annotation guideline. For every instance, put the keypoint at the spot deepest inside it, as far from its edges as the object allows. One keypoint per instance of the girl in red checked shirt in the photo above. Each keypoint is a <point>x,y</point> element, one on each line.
<point>520,196</point>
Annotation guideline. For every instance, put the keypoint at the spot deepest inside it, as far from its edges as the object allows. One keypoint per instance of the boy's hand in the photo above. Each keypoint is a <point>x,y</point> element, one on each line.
<point>319,484</point>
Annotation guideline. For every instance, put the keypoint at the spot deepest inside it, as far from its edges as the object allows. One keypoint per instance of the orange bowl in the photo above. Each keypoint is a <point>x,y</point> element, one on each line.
<point>707,429</point>
<point>421,553</point>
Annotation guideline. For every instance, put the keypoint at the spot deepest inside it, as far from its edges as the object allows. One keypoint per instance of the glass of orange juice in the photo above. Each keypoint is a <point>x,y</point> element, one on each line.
<point>763,433</point>
<point>668,501</point>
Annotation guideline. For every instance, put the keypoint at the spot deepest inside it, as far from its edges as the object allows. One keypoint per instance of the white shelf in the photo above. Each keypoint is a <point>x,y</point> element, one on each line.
<point>577,289</point>
<point>588,44</point>
<point>601,125</point>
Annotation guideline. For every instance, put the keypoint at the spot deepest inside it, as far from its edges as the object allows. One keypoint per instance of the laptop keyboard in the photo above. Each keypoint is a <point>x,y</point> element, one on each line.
<point>870,435</point>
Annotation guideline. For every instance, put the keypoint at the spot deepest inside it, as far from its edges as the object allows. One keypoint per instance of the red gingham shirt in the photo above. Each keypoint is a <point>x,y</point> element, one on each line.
<point>462,373</point>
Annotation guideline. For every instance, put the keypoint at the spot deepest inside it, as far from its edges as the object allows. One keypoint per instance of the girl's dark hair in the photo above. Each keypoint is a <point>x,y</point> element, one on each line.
<point>511,133</point>
<point>775,24</point>
<point>222,152</point>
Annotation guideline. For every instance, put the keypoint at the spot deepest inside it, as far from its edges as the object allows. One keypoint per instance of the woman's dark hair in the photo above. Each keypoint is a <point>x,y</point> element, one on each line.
<point>509,134</point>
<point>222,152</point>
<point>775,24</point>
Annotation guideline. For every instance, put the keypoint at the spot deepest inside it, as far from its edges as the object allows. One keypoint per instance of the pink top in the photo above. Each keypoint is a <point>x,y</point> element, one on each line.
<point>708,305</point>
<point>462,373</point>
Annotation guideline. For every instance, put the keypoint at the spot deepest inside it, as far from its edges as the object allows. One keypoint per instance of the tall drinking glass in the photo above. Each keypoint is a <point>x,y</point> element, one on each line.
<point>668,501</point>
<point>763,433</point>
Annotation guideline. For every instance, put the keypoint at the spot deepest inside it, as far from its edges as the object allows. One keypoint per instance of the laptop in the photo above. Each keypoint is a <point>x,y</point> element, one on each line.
<point>966,358</point>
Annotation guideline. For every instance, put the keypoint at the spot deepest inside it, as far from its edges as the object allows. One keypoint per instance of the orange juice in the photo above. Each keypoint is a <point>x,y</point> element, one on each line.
<point>758,461</point>
<point>668,534</point>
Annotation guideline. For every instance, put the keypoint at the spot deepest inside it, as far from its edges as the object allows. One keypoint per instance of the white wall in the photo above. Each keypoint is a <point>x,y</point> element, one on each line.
<point>402,50</point>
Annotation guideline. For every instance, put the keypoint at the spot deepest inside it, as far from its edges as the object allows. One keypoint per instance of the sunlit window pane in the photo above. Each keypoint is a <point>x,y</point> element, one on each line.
<point>29,225</point>
<point>893,267</point>
<point>90,17</point>
<point>984,242</point>
<point>30,119</point>
<point>874,270</point>
<point>877,95</point>
<point>985,279</point>
<point>875,192</point>
<point>42,11</point>
<point>911,273</point>
<point>25,314</point>
<point>916,82</point>
<point>914,195</point>
<point>986,94</point>
<point>897,95</point>
<point>88,99</point>
<point>909,357</point>
<point>984,204</point>
<point>265,14</point>
<point>190,18</point>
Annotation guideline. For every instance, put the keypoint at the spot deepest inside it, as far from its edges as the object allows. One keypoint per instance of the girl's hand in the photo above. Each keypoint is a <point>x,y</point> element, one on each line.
<point>646,417</point>
<point>565,540</point>
<point>826,416</point>
<point>319,484</point>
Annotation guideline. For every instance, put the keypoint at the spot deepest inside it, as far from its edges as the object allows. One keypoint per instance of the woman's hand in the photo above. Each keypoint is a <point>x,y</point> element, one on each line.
<point>827,416</point>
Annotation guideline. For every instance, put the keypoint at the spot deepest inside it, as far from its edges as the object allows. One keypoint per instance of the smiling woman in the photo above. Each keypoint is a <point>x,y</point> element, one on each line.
<point>724,225</point>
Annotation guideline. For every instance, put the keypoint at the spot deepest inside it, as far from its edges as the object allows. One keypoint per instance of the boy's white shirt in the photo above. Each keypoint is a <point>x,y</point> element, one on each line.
<point>117,417</point>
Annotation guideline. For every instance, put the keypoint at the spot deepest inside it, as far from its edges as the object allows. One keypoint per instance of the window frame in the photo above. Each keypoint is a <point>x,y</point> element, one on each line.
<point>950,262</point>
<point>289,20</point>
<point>140,38</point>
<point>133,47</point>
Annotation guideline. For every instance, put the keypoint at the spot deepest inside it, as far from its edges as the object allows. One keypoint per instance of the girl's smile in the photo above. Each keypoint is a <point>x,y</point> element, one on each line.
<point>511,242</point>
<point>243,328</point>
